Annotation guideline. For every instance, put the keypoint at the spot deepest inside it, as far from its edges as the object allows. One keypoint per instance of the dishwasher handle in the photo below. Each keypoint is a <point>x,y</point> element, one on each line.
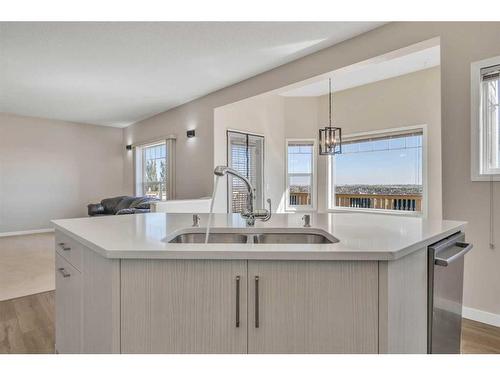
<point>464,248</point>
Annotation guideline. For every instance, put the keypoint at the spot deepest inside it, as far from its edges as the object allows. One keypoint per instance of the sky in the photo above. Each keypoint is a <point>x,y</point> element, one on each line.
<point>300,161</point>
<point>393,167</point>
<point>396,161</point>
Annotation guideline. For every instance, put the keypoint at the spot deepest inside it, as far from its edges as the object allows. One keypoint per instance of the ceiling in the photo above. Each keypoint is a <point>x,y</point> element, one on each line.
<point>376,70</point>
<point>117,73</point>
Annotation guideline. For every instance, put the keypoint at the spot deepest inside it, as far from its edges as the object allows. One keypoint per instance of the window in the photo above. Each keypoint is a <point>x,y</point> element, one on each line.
<point>490,121</point>
<point>380,171</point>
<point>485,120</point>
<point>154,170</point>
<point>300,174</point>
<point>246,155</point>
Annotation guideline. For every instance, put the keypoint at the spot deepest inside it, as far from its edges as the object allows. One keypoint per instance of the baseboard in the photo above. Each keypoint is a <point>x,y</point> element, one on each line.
<point>25,232</point>
<point>481,316</point>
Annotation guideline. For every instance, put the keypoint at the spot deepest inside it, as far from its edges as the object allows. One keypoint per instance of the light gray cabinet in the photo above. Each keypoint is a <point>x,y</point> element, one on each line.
<point>87,299</point>
<point>183,306</point>
<point>68,307</point>
<point>238,306</point>
<point>200,306</point>
<point>312,307</point>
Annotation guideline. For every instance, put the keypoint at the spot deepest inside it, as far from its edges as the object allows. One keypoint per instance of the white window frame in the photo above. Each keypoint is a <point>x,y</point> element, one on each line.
<point>330,193</point>
<point>138,160</point>
<point>479,139</point>
<point>312,206</point>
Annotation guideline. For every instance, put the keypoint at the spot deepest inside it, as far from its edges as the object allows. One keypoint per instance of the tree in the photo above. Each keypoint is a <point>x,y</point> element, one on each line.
<point>163,177</point>
<point>151,171</point>
<point>151,176</point>
<point>163,171</point>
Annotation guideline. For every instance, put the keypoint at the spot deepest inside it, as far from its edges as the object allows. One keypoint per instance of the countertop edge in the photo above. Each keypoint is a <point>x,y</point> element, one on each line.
<point>90,245</point>
<point>361,255</point>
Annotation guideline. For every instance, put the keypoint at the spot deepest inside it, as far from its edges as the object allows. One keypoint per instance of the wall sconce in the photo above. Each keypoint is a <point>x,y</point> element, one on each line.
<point>190,133</point>
<point>128,147</point>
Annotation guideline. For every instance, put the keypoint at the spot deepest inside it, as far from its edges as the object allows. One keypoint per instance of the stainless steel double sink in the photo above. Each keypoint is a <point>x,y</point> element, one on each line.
<point>289,236</point>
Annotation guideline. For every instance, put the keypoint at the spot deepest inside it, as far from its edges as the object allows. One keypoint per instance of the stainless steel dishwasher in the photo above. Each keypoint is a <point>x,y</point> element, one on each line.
<point>445,283</point>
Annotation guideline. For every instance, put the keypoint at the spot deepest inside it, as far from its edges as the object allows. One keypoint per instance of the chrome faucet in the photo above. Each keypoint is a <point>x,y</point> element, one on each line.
<point>196,220</point>
<point>249,213</point>
<point>307,220</point>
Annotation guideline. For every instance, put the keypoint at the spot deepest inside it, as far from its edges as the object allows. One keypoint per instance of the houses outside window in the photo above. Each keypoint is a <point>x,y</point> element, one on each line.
<point>380,171</point>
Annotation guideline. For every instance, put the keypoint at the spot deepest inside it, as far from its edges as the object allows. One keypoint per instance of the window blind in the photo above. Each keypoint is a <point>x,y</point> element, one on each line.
<point>239,162</point>
<point>490,101</point>
<point>386,136</point>
<point>245,154</point>
<point>490,73</point>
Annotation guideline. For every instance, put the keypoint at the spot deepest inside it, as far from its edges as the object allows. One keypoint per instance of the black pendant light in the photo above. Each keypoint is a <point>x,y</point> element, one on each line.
<point>330,138</point>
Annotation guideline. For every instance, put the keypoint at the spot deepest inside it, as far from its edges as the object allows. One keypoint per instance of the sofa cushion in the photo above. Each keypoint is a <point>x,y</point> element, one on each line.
<point>124,203</point>
<point>110,204</point>
<point>142,203</point>
<point>125,211</point>
<point>128,211</point>
<point>95,209</point>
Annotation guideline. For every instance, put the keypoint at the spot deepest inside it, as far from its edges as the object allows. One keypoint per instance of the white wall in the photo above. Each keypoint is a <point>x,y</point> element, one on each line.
<point>194,159</point>
<point>412,99</point>
<point>262,115</point>
<point>302,117</point>
<point>52,169</point>
<point>461,44</point>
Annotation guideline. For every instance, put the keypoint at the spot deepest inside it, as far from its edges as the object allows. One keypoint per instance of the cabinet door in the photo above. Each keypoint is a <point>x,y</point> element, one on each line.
<point>68,307</point>
<point>183,306</point>
<point>312,307</point>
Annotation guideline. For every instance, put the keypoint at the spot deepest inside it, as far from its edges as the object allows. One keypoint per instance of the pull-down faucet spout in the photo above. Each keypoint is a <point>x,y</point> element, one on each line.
<point>249,212</point>
<point>222,170</point>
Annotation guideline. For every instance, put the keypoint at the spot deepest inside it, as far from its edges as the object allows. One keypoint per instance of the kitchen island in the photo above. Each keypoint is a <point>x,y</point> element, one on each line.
<point>125,284</point>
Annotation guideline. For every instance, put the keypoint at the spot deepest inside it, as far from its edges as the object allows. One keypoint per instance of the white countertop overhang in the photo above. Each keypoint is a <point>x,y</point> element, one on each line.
<point>361,236</point>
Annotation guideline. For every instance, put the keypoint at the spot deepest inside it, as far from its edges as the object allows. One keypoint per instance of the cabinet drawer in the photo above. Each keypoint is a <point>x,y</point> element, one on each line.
<point>70,249</point>
<point>68,307</point>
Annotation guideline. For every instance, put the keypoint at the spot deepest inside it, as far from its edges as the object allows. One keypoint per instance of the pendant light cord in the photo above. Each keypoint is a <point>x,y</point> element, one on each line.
<point>330,101</point>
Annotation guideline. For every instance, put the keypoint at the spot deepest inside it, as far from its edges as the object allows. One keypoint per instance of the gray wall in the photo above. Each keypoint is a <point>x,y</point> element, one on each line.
<point>263,115</point>
<point>52,169</point>
<point>407,100</point>
<point>461,44</point>
<point>411,99</point>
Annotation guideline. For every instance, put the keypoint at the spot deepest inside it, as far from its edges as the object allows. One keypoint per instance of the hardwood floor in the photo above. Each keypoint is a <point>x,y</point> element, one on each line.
<point>27,326</point>
<point>479,338</point>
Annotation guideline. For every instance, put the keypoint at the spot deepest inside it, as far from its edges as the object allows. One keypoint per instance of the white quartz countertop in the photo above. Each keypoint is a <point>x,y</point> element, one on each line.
<point>361,236</point>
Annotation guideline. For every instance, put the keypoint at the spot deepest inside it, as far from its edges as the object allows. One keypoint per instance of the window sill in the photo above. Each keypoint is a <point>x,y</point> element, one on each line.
<point>300,209</point>
<point>377,211</point>
<point>483,177</point>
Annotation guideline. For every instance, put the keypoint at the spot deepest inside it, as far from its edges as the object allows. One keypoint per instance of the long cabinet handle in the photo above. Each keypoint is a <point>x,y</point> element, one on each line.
<point>237,301</point>
<point>63,246</point>
<point>463,248</point>
<point>256,301</point>
<point>63,272</point>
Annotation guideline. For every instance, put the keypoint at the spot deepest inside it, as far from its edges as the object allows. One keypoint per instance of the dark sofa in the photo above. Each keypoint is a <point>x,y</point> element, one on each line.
<point>122,205</point>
